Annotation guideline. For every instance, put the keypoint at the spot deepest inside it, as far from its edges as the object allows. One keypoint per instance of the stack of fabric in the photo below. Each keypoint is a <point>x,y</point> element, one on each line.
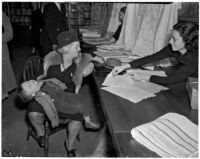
<point>171,135</point>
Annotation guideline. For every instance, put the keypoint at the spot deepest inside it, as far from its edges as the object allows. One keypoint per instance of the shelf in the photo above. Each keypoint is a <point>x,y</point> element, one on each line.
<point>80,14</point>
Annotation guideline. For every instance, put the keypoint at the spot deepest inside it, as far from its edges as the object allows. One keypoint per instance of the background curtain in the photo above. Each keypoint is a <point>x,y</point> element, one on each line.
<point>146,27</point>
<point>100,15</point>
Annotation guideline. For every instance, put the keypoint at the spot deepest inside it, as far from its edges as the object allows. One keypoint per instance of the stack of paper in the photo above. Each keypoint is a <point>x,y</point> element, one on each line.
<point>114,48</point>
<point>146,72</point>
<point>93,34</point>
<point>111,54</point>
<point>110,47</point>
<point>171,135</point>
<point>134,91</point>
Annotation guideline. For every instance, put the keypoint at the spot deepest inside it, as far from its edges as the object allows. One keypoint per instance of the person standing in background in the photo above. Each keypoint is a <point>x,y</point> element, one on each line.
<point>8,78</point>
<point>55,22</point>
<point>36,28</point>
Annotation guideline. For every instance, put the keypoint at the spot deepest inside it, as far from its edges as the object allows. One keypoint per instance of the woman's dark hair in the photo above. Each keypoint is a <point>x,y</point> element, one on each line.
<point>190,34</point>
<point>123,10</point>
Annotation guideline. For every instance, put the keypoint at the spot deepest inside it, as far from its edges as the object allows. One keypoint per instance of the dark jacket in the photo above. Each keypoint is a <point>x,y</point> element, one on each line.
<point>117,33</point>
<point>55,22</point>
<point>187,65</point>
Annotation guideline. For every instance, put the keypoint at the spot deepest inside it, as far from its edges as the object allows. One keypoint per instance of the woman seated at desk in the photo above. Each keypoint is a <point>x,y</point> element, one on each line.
<point>116,35</point>
<point>183,46</point>
<point>110,40</point>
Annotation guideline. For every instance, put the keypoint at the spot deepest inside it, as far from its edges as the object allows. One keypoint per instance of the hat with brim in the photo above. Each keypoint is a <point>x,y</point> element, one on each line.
<point>65,38</point>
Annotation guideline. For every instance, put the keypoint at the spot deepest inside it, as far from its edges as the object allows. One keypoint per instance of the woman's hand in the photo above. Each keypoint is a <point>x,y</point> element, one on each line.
<point>118,69</point>
<point>88,69</point>
<point>40,77</point>
<point>140,77</point>
<point>54,122</point>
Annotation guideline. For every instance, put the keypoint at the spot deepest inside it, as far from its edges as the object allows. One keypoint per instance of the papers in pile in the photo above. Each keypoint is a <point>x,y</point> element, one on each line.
<point>115,51</point>
<point>114,48</point>
<point>105,55</point>
<point>134,91</point>
<point>171,135</point>
<point>146,72</point>
<point>90,34</point>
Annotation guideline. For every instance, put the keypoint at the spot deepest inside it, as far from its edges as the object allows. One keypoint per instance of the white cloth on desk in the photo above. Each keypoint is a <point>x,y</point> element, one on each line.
<point>171,135</point>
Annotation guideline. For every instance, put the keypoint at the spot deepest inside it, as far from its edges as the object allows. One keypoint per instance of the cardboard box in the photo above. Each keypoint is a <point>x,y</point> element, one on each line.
<point>192,89</point>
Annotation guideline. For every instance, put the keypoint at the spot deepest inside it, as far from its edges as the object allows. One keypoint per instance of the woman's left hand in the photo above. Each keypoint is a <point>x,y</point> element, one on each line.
<point>141,77</point>
<point>88,69</point>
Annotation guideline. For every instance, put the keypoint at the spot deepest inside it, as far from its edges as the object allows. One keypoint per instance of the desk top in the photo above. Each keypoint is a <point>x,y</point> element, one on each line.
<point>123,115</point>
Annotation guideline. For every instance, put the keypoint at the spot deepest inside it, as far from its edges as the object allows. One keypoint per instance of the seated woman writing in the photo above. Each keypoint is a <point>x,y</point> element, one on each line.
<point>116,35</point>
<point>69,68</point>
<point>183,46</point>
<point>107,39</point>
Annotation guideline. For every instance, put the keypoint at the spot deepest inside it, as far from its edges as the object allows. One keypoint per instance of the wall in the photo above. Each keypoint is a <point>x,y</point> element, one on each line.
<point>189,12</point>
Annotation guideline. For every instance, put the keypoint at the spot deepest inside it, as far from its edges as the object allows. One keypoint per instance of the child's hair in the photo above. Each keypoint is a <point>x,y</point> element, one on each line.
<point>22,95</point>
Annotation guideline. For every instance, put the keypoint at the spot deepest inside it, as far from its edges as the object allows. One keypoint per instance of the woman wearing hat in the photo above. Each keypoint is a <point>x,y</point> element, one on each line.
<point>66,65</point>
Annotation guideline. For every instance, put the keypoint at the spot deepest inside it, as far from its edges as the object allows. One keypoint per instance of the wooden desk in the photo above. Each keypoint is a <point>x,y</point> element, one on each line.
<point>122,115</point>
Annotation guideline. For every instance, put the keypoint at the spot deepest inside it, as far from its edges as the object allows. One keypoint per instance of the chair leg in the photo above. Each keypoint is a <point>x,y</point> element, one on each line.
<point>46,143</point>
<point>28,134</point>
<point>78,138</point>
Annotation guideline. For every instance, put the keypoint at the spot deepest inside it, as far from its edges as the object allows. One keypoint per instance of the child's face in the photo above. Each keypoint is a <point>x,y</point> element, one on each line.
<point>30,87</point>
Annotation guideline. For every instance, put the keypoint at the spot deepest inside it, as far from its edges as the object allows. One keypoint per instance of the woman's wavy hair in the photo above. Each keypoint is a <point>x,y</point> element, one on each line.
<point>190,34</point>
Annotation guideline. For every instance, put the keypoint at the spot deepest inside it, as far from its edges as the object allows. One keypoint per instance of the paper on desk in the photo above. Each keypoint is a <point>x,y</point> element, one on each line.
<point>147,72</point>
<point>148,86</point>
<point>91,34</point>
<point>125,81</point>
<point>110,47</point>
<point>132,94</point>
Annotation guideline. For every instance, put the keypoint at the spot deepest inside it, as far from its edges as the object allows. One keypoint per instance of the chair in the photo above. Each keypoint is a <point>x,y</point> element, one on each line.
<point>32,69</point>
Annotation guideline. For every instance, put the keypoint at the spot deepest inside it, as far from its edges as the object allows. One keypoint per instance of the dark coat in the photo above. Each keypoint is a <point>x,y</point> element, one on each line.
<point>8,77</point>
<point>55,22</point>
<point>187,65</point>
<point>37,24</point>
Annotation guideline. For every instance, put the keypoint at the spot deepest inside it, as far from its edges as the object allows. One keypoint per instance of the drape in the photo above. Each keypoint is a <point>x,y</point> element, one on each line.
<point>146,27</point>
<point>100,15</point>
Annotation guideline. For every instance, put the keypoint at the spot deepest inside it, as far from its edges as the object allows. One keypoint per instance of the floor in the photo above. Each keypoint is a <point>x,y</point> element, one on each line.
<point>14,124</point>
